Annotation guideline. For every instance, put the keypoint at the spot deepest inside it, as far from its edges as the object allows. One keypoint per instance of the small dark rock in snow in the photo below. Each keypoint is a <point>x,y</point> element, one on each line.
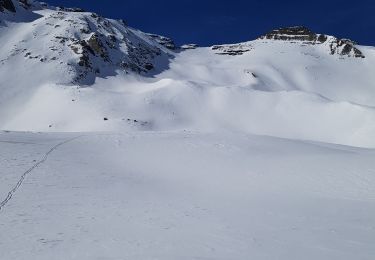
<point>149,66</point>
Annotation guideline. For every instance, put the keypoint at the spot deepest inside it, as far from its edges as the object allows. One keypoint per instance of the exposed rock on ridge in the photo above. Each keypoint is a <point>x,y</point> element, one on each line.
<point>232,49</point>
<point>162,40</point>
<point>343,47</point>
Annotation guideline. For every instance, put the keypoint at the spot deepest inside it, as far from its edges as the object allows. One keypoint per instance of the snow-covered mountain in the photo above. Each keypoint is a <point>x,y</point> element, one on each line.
<point>64,69</point>
<point>76,45</point>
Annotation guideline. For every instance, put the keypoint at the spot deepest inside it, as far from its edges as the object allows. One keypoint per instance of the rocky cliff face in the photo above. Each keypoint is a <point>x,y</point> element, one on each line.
<point>301,34</point>
<point>296,33</point>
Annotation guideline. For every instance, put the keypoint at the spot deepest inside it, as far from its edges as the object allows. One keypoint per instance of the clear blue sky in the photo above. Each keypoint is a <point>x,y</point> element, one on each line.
<point>209,22</point>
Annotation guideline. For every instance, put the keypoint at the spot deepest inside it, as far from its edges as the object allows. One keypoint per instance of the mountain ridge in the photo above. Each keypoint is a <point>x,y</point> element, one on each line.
<point>95,42</point>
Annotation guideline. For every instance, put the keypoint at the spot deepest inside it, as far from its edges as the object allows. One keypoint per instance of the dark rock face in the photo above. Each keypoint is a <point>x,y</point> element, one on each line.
<point>70,9</point>
<point>7,5</point>
<point>296,33</point>
<point>165,41</point>
<point>95,45</point>
<point>345,47</point>
<point>302,34</point>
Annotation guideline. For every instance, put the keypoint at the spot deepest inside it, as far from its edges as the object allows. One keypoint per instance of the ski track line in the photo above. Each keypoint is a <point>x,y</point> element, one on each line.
<point>45,157</point>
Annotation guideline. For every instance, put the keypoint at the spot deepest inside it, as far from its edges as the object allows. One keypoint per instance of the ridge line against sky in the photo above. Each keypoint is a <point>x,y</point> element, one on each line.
<point>217,22</point>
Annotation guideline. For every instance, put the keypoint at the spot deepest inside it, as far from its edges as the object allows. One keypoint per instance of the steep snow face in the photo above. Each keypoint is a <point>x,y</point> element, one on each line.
<point>290,83</point>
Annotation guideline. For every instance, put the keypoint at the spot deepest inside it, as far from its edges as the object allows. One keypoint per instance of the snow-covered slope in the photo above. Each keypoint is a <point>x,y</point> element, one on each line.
<point>68,70</point>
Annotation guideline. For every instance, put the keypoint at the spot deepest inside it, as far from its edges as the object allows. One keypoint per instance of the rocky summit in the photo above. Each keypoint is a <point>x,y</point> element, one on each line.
<point>343,47</point>
<point>295,33</point>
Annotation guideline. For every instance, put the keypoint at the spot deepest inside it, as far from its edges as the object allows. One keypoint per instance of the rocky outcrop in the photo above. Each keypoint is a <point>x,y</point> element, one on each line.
<point>104,46</point>
<point>7,5</point>
<point>95,45</point>
<point>295,33</point>
<point>345,47</point>
<point>232,49</point>
<point>301,34</point>
<point>70,9</point>
<point>190,46</point>
<point>162,40</point>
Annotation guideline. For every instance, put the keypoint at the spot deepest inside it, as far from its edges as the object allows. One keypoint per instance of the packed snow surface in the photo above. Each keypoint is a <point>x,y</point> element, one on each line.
<point>185,195</point>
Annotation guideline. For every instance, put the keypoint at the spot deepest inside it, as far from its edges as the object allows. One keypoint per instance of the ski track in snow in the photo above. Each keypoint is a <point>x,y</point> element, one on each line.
<point>37,164</point>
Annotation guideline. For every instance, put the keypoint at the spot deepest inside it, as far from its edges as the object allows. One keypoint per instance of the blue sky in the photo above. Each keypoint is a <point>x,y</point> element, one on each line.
<point>209,22</point>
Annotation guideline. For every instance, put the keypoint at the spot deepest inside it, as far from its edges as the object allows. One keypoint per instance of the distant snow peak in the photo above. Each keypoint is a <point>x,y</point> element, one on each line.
<point>342,47</point>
